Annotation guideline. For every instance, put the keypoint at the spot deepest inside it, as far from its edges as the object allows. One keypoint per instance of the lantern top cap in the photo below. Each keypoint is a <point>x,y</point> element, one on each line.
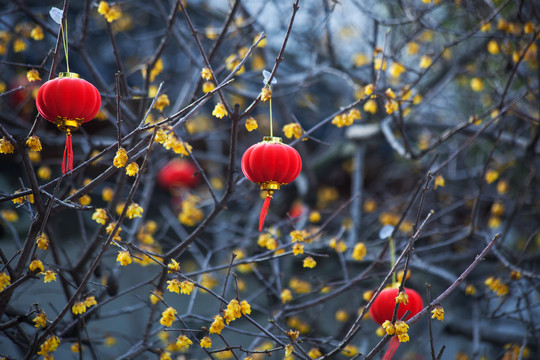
<point>70,75</point>
<point>272,139</point>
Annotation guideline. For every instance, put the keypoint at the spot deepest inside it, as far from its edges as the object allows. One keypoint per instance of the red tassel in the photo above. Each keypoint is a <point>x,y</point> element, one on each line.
<point>391,349</point>
<point>264,211</point>
<point>67,162</point>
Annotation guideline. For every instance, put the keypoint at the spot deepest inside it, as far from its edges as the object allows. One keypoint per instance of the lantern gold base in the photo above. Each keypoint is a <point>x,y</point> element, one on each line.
<point>270,185</point>
<point>70,75</point>
<point>272,139</point>
<point>68,125</point>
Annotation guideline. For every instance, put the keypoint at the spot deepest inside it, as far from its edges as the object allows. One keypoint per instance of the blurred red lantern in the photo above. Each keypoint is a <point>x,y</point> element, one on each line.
<point>382,308</point>
<point>179,173</point>
<point>68,102</point>
<point>270,163</point>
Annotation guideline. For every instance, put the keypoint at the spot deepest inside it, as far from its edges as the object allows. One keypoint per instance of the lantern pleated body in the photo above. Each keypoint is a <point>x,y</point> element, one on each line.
<point>68,102</point>
<point>270,164</point>
<point>382,309</point>
<point>179,173</point>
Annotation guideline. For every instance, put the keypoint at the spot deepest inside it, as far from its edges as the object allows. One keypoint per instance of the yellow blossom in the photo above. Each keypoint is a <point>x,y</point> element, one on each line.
<point>85,200</point>
<point>44,172</point>
<point>402,298</point>
<point>32,75</point>
<point>251,124</point>
<point>100,216</point>
<point>107,194</point>
<point>491,176</point>
<point>220,111</point>
<point>425,62</point>
<point>396,69</point>
<point>342,316</point>
<point>477,84</point>
<point>40,320</point>
<point>90,301</point>
<point>36,265</point>
<point>470,289</point>
<point>370,106</point>
<point>9,215</point>
<point>367,295</point>
<point>161,136</point>
<point>42,242</point>
<point>298,249</point>
<point>389,327</point>
<point>206,342</point>
<point>168,316</point>
<point>5,281</point>
<point>124,258</point>
<point>217,325</point>
<point>438,181</point>
<point>292,129</point>
<point>208,86</point>
<point>309,262</point>
<point>173,285</point>
<point>233,311</point>
<point>186,287</point>
<point>245,307</point>
<point>360,59</point>
<point>350,350</point>
<point>110,13</point>
<point>314,353</point>
<point>19,45</point>
<point>403,337</point>
<point>37,33</point>
<point>134,210</point>
<point>49,276</point>
<point>78,308</point>
<point>497,208</point>
<point>515,275</point>
<point>493,47</point>
<point>183,342</point>
<point>390,106</point>
<point>379,64</point>
<point>437,313</point>
<point>368,89</point>
<point>314,216</point>
<point>286,296</point>
<point>132,169</point>
<point>341,120</point>
<point>154,296</point>
<point>50,345</point>
<point>261,43</point>
<point>76,347</point>
<point>6,147</point>
<point>266,93</point>
<point>161,102</point>
<point>206,74</point>
<point>121,158</point>
<point>359,251</point>
<point>173,266</point>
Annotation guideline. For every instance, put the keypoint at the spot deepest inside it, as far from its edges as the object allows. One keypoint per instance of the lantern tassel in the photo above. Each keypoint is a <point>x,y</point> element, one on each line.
<point>264,209</point>
<point>391,349</point>
<point>67,162</point>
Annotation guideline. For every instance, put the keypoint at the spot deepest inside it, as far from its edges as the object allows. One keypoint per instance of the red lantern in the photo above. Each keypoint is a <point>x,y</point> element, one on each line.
<point>270,163</point>
<point>68,102</point>
<point>382,308</point>
<point>179,173</point>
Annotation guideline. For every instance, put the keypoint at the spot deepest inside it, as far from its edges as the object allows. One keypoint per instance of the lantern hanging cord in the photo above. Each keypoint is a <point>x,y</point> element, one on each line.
<point>64,29</point>
<point>271,128</point>
<point>392,257</point>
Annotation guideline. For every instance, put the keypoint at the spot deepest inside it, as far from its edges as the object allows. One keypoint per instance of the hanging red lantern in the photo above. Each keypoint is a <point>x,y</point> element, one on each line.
<point>179,173</point>
<point>382,308</point>
<point>68,102</point>
<point>270,163</point>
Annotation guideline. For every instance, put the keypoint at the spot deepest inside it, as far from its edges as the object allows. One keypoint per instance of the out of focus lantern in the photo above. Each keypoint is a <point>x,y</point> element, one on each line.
<point>179,173</point>
<point>68,102</point>
<point>270,164</point>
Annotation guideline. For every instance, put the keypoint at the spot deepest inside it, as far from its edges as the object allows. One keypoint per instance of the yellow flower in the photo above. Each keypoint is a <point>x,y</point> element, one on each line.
<point>470,289</point>
<point>186,287</point>
<point>266,93</point>
<point>477,84</point>
<point>78,308</point>
<point>437,313</point>
<point>90,301</point>
<point>251,124</point>
<point>161,102</point>
<point>314,353</point>
<point>5,281</point>
<point>6,147</point>
<point>368,89</point>
<point>493,47</point>
<point>110,13</point>
<point>370,106</point>
<point>342,316</point>
<point>50,345</point>
<point>208,86</point>
<point>497,208</point>
<point>220,111</point>
<point>40,320</point>
<point>261,43</point>
<point>134,210</point>
<point>389,327</point>
<point>425,62</point>
<point>32,75</point>
<point>183,342</point>
<point>402,298</point>
<point>350,350</point>
<point>206,342</point>
<point>9,215</point>
<point>173,266</point>
<point>403,337</point>
<point>49,276</point>
<point>100,216</point>
<point>286,296</point>
<point>298,249</point>
<point>379,64</point>
<point>438,181</point>
<point>37,33</point>
<point>314,216</point>
<point>154,297</point>
<point>44,172</point>
<point>173,285</point>
<point>233,311</point>
<point>132,169</point>
<point>360,59</point>
<point>491,176</point>
<point>292,129</point>
<point>107,194</point>
<point>206,74</point>
<point>309,262</point>
<point>359,251</point>
<point>124,258</point>
<point>36,265</point>
<point>217,325</point>
<point>168,316</point>
<point>121,158</point>
<point>245,307</point>
<point>19,45</point>
<point>42,241</point>
<point>396,69</point>
<point>76,348</point>
<point>342,120</point>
